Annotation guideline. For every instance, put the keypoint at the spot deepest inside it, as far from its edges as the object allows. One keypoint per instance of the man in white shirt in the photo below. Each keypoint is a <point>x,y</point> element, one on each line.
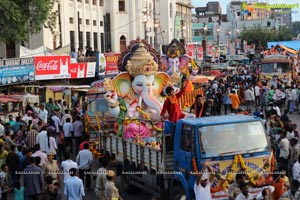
<point>203,183</point>
<point>65,117</point>
<point>257,94</point>
<point>39,153</point>
<point>244,195</point>
<point>284,147</point>
<point>84,160</point>
<point>41,138</point>
<point>43,114</point>
<point>296,170</point>
<point>68,128</point>
<point>248,97</point>
<point>56,121</point>
<point>66,165</point>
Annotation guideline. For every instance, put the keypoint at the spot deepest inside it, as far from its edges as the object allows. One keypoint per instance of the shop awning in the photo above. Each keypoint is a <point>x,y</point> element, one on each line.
<point>6,99</point>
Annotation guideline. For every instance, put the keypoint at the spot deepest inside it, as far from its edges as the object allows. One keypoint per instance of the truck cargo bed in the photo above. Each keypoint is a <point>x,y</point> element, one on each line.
<point>141,155</point>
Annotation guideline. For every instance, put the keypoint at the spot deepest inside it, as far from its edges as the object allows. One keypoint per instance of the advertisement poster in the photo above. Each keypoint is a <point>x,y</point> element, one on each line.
<point>199,53</point>
<point>82,70</point>
<point>190,50</point>
<point>210,50</point>
<point>102,64</point>
<point>15,71</point>
<point>111,63</point>
<point>51,67</point>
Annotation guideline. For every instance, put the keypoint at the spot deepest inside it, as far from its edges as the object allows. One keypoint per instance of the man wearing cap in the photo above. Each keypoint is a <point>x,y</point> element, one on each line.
<point>74,186</point>
<point>27,116</point>
<point>203,183</point>
<point>111,191</point>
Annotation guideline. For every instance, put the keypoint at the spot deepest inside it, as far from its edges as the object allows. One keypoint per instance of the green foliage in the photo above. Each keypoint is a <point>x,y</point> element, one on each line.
<point>296,28</point>
<point>21,17</point>
<point>261,36</point>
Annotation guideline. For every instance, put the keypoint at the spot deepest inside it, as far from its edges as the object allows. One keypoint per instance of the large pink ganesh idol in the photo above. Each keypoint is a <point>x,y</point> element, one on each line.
<point>140,85</point>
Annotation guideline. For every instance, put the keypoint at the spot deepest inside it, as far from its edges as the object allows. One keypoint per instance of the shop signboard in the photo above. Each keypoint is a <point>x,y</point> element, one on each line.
<point>51,67</point>
<point>82,70</point>
<point>199,53</point>
<point>16,71</point>
<point>111,63</point>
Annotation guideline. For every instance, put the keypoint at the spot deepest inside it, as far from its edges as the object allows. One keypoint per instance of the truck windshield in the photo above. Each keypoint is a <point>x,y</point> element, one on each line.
<point>231,139</point>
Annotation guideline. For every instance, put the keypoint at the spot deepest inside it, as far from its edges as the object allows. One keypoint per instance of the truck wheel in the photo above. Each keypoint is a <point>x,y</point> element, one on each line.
<point>129,188</point>
<point>177,193</point>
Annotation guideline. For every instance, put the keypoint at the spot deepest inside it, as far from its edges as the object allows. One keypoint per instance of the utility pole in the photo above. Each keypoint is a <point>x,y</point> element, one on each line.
<point>145,12</point>
<point>78,20</point>
<point>155,24</point>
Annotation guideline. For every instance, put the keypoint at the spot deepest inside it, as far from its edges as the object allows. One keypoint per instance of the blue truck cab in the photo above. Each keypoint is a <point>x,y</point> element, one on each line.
<point>218,139</point>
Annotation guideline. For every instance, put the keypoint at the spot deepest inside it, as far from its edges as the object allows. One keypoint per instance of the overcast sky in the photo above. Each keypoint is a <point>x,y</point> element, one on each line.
<point>224,3</point>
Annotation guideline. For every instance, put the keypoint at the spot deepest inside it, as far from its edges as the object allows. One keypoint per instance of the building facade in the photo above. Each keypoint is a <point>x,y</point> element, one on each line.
<point>109,25</point>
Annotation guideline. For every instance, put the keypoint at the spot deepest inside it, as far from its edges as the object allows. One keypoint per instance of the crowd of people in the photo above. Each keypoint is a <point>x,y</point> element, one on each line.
<point>49,139</point>
<point>45,155</point>
<point>242,91</point>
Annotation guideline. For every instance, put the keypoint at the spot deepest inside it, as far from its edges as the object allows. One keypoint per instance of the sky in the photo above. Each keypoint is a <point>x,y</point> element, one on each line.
<point>224,3</point>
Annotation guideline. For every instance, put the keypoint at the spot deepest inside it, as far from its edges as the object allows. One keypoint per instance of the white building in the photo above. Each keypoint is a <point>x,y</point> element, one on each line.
<point>109,25</point>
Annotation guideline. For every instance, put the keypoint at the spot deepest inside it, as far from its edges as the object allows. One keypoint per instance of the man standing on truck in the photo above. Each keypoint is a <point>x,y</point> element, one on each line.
<point>199,107</point>
<point>172,106</point>
<point>203,183</point>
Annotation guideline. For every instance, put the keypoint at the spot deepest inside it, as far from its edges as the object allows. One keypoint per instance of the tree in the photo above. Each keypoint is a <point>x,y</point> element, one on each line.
<point>296,28</point>
<point>21,17</point>
<point>261,36</point>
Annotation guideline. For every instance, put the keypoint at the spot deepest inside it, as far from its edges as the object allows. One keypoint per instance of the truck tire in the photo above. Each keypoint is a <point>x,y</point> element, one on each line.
<point>128,188</point>
<point>177,192</point>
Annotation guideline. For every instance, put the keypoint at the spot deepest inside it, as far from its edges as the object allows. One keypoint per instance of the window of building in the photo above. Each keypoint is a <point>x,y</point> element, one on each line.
<point>71,20</point>
<point>88,39</point>
<point>121,5</point>
<point>171,10</point>
<point>80,40</point>
<point>72,40</point>
<point>80,21</point>
<point>87,22</point>
<point>95,40</point>
<point>101,23</point>
<point>94,23</point>
<point>101,2</point>
<point>122,43</point>
<point>94,2</point>
<point>87,1</point>
<point>79,0</point>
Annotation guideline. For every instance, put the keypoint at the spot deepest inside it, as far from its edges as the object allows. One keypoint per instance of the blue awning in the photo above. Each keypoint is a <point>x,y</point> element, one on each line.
<point>290,44</point>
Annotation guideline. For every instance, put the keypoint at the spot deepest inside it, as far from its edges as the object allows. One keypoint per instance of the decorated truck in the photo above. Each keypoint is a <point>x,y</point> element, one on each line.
<point>162,158</point>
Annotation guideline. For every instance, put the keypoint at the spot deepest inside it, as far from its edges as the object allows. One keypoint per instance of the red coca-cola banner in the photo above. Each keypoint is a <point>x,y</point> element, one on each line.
<point>82,70</point>
<point>51,67</point>
<point>199,53</point>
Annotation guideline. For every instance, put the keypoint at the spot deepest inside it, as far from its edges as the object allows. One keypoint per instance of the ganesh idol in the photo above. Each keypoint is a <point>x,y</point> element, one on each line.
<point>139,87</point>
